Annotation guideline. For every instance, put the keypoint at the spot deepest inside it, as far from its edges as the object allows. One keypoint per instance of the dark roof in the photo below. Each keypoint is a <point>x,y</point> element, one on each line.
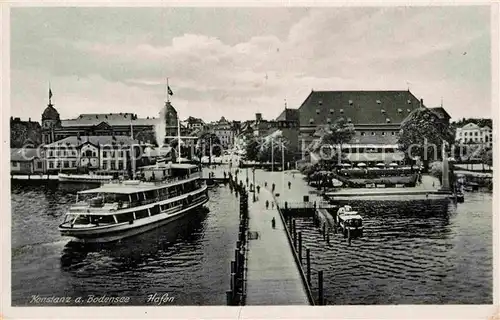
<point>24,154</point>
<point>289,115</point>
<point>360,107</point>
<point>112,119</point>
<point>441,113</point>
<point>95,140</point>
<point>50,113</point>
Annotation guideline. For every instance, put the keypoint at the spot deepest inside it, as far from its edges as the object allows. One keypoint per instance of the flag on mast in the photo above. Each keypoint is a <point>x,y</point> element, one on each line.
<point>170,92</point>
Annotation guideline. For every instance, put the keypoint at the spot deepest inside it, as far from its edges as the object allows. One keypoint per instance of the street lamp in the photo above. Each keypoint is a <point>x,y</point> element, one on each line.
<point>253,174</point>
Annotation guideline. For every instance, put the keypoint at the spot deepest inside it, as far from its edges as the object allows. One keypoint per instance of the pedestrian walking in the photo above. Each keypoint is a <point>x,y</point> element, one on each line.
<point>273,223</point>
<point>289,184</point>
<point>267,204</point>
<point>272,205</point>
<point>258,189</point>
<point>265,184</point>
<point>273,188</point>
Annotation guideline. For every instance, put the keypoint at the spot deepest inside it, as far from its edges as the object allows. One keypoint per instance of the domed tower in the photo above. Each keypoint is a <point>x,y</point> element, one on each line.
<point>50,121</point>
<point>170,117</point>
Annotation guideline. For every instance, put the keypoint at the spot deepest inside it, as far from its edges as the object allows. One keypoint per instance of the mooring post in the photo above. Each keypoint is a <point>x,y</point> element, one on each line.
<point>349,236</point>
<point>300,247</point>
<point>328,237</point>
<point>236,260</point>
<point>229,297</point>
<point>308,261</point>
<point>324,231</point>
<point>320,287</point>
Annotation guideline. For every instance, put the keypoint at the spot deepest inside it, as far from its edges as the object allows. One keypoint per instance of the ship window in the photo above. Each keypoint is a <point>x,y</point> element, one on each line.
<point>155,210</point>
<point>142,214</point>
<point>105,219</point>
<point>383,133</point>
<point>125,217</point>
<point>363,133</point>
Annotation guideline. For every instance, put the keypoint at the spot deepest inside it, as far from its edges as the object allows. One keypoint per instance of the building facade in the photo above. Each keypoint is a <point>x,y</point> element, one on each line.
<point>109,124</point>
<point>26,161</point>
<point>376,117</point>
<point>471,133</point>
<point>225,131</point>
<point>93,153</point>
<point>24,134</point>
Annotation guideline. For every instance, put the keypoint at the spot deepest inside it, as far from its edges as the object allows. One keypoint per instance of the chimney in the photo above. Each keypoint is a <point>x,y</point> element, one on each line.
<point>29,119</point>
<point>421,103</point>
<point>258,116</point>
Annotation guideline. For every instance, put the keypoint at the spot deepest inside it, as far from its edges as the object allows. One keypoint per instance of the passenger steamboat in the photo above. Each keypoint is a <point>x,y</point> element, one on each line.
<point>117,210</point>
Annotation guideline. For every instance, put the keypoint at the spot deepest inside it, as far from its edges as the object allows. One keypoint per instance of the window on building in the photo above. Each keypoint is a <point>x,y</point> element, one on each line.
<point>350,102</point>
<point>408,101</point>
<point>120,165</point>
<point>311,120</point>
<point>373,133</point>
<point>476,133</point>
<point>383,133</point>
<point>328,120</point>
<point>57,153</point>
<point>349,120</point>
<point>66,164</point>
<point>104,154</point>
<point>113,165</point>
<point>408,110</point>
<point>51,165</point>
<point>379,102</point>
<point>51,153</point>
<point>58,164</point>
<point>388,120</point>
<point>400,110</point>
<point>363,133</point>
<point>341,110</point>
<point>73,163</point>
<point>105,165</point>
<point>317,111</point>
<point>382,110</point>
<point>331,111</point>
<point>393,133</point>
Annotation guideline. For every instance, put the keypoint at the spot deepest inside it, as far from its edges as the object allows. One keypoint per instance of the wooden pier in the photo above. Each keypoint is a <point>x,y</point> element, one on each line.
<point>273,276</point>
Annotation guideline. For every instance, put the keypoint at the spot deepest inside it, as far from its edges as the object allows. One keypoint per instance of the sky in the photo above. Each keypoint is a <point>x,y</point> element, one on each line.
<point>235,62</point>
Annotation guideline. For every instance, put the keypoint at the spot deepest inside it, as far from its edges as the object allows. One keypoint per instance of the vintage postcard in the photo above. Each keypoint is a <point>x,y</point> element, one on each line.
<point>266,155</point>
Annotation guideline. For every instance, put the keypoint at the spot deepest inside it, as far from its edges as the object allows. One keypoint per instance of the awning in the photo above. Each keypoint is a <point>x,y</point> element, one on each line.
<point>375,157</point>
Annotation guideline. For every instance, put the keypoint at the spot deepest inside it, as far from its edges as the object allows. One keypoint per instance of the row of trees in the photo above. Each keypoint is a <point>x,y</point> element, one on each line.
<point>273,147</point>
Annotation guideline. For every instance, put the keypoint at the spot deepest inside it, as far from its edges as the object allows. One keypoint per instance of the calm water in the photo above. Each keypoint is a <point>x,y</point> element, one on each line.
<point>188,259</point>
<point>412,252</point>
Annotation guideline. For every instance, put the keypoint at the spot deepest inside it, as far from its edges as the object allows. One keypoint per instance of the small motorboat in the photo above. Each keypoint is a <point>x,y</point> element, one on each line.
<point>349,221</point>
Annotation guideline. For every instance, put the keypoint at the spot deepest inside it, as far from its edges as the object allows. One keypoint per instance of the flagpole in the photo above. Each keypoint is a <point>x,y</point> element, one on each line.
<point>168,95</point>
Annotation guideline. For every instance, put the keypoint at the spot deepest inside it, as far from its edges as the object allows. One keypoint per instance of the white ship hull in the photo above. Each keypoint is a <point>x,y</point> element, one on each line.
<point>122,230</point>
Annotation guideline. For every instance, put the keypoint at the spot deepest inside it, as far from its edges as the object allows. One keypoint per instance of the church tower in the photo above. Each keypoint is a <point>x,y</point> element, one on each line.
<point>50,121</point>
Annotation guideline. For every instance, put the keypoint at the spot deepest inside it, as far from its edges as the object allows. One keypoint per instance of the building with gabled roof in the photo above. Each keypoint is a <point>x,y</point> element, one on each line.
<point>472,133</point>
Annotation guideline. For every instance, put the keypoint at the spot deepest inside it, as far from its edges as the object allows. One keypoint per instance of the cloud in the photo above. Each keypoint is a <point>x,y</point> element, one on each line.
<point>117,58</point>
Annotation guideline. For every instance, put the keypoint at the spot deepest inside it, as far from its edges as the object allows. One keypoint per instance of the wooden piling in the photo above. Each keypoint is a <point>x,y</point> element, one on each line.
<point>308,261</point>
<point>300,247</point>
<point>328,237</point>
<point>229,297</point>
<point>324,231</point>
<point>320,287</point>
<point>233,267</point>
<point>349,236</point>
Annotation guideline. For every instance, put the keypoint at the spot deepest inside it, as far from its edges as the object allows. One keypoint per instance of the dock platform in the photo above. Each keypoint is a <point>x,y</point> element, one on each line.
<point>273,277</point>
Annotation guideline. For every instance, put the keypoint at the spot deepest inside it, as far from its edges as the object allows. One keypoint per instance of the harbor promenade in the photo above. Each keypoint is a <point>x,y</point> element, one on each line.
<point>273,277</point>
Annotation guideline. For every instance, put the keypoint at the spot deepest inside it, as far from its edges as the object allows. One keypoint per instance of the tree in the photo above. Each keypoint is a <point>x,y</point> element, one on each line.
<point>423,135</point>
<point>331,136</point>
<point>271,148</point>
<point>208,140</point>
<point>252,148</point>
